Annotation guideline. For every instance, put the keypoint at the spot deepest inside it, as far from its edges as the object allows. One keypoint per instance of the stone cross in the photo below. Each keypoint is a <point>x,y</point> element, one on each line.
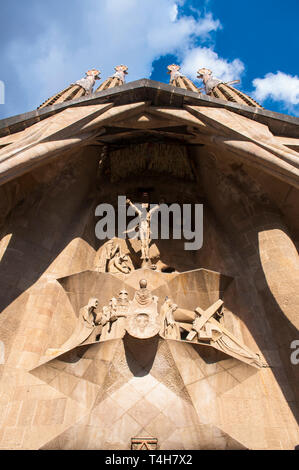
<point>205,315</point>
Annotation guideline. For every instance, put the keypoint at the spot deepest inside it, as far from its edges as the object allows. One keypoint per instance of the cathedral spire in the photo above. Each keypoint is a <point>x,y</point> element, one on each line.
<point>179,80</point>
<point>117,79</point>
<point>76,90</point>
<point>219,89</point>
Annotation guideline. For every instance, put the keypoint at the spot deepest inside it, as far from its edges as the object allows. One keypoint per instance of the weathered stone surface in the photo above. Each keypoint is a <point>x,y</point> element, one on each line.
<point>186,393</point>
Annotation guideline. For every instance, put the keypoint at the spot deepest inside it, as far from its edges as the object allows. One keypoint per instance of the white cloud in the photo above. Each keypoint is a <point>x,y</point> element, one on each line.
<point>207,25</point>
<point>204,57</point>
<point>104,33</point>
<point>134,32</point>
<point>279,87</point>
<point>173,12</point>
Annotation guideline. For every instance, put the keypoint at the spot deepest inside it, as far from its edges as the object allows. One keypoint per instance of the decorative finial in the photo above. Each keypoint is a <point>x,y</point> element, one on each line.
<point>179,80</point>
<point>173,67</point>
<point>203,71</point>
<point>121,68</point>
<point>93,73</point>
<point>76,90</point>
<point>89,80</point>
<point>174,71</point>
<point>117,79</point>
<point>209,81</point>
<point>120,72</point>
<point>223,90</point>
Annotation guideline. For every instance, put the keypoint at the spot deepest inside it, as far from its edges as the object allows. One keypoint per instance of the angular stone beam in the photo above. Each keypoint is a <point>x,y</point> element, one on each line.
<point>145,120</point>
<point>281,163</point>
<point>67,130</point>
<point>114,114</point>
<point>288,142</point>
<point>244,127</point>
<point>254,155</point>
<point>181,116</point>
<point>114,137</point>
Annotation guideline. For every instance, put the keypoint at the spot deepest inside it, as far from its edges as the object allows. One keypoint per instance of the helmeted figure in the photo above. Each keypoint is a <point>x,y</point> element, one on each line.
<point>117,79</point>
<point>82,87</point>
<point>179,80</point>
<point>222,90</point>
<point>88,81</point>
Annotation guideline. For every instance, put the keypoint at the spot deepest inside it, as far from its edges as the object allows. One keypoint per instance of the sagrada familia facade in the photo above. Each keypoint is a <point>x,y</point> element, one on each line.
<point>135,342</point>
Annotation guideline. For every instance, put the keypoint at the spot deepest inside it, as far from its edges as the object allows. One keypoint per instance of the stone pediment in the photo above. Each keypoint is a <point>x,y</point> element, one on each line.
<point>96,123</point>
<point>159,94</point>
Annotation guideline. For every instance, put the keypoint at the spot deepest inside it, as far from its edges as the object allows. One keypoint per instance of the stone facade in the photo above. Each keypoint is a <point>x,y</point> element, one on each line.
<point>183,349</point>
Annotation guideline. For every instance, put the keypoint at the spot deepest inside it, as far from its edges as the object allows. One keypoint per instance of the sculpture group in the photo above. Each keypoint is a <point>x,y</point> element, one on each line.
<point>113,260</point>
<point>142,319</point>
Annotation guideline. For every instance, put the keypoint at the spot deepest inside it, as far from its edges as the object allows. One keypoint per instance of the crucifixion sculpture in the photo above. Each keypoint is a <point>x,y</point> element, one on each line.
<point>144,227</point>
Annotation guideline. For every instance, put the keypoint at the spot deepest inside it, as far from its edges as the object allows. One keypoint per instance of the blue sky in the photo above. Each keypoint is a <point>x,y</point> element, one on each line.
<point>45,45</point>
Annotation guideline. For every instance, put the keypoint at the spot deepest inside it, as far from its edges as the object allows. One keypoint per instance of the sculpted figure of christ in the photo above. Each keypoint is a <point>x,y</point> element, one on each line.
<point>144,226</point>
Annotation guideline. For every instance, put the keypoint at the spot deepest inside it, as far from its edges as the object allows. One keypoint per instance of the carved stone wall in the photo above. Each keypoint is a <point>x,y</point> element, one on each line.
<point>268,260</point>
<point>188,396</point>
